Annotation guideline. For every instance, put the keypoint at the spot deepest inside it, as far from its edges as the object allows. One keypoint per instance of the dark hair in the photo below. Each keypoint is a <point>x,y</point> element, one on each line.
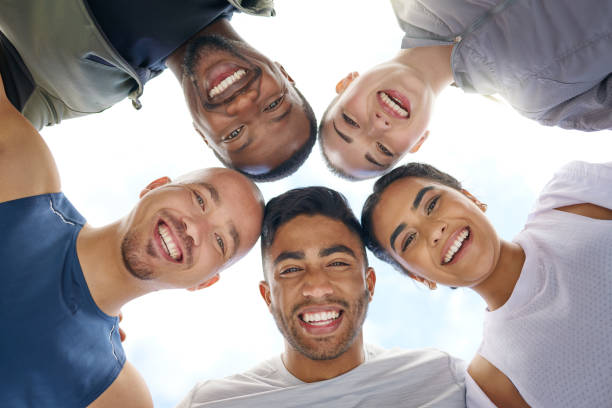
<point>421,170</point>
<point>308,201</point>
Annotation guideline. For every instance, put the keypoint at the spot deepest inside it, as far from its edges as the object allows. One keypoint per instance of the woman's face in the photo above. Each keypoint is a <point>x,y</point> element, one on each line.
<point>436,232</point>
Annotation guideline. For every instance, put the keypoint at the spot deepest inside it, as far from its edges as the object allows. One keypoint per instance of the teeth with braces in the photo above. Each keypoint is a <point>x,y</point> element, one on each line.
<point>320,318</point>
<point>456,245</point>
<point>169,245</point>
<point>393,105</point>
<point>227,82</point>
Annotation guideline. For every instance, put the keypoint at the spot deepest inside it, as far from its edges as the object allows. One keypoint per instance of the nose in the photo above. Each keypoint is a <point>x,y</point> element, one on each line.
<point>380,121</point>
<point>316,284</point>
<point>197,228</point>
<point>243,103</point>
<point>438,228</point>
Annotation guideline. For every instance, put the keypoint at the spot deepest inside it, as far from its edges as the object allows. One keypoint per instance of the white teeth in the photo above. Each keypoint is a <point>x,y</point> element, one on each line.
<point>392,104</point>
<point>223,85</point>
<point>456,245</point>
<point>169,245</point>
<point>320,318</point>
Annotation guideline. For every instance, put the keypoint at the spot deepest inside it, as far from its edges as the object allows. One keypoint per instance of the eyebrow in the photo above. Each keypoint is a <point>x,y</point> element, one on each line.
<point>336,248</point>
<point>244,146</point>
<point>396,233</point>
<point>369,158</point>
<point>288,255</point>
<point>284,115</point>
<point>419,196</point>
<point>213,192</point>
<point>235,238</point>
<point>342,135</point>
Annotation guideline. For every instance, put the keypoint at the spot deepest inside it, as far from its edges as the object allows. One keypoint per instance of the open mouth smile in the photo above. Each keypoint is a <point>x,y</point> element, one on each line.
<point>321,320</point>
<point>394,103</point>
<point>458,242</point>
<point>225,80</point>
<point>168,243</point>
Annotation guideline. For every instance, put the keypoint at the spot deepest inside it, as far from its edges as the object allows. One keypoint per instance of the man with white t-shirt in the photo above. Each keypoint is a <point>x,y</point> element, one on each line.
<point>317,287</point>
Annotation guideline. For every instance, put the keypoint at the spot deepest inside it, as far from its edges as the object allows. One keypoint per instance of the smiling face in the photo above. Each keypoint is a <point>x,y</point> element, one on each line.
<point>376,118</point>
<point>182,234</point>
<point>435,232</point>
<point>244,106</point>
<point>318,286</point>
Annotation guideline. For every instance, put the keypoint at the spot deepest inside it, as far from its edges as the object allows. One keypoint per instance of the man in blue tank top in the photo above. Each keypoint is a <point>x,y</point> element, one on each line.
<point>69,58</point>
<point>63,282</point>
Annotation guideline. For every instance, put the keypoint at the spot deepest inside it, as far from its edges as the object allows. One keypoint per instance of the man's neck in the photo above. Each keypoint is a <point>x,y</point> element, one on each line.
<point>498,287</point>
<point>309,370</point>
<point>109,282</point>
<point>220,27</point>
<point>432,63</point>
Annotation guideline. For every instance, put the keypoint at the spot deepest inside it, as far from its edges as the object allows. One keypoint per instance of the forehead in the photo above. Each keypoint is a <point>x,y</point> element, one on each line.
<point>349,157</point>
<point>306,232</point>
<point>267,144</point>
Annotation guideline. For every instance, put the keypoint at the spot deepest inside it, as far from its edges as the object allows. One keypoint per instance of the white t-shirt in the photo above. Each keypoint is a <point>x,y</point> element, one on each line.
<point>387,378</point>
<point>553,337</point>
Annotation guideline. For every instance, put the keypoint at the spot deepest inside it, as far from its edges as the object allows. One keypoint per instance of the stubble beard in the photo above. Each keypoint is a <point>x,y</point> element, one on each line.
<point>131,253</point>
<point>327,348</point>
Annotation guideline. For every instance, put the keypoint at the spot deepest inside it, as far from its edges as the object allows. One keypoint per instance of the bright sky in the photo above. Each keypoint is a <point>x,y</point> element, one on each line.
<point>176,338</point>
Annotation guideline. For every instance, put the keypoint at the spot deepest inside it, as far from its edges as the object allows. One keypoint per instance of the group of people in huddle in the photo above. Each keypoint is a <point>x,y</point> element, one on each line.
<point>546,338</point>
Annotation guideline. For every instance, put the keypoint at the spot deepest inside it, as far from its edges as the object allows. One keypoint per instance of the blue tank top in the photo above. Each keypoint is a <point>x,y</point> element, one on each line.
<point>57,348</point>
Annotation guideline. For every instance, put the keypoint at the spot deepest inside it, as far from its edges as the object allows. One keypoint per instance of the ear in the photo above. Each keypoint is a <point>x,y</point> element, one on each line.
<point>420,142</point>
<point>154,184</point>
<point>201,134</point>
<point>264,290</point>
<point>345,82</point>
<point>371,281</point>
<point>431,285</point>
<point>482,206</point>
<point>206,284</point>
<point>285,74</point>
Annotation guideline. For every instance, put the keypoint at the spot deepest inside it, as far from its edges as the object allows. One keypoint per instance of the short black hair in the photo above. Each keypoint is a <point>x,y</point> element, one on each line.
<point>420,170</point>
<point>314,200</point>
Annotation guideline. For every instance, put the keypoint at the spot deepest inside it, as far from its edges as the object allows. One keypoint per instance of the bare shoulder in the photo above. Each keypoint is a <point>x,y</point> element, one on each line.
<point>128,390</point>
<point>26,165</point>
<point>588,210</point>
<point>495,384</point>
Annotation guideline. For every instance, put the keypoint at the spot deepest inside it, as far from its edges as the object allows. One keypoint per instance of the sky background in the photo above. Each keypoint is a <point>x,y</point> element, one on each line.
<point>176,338</point>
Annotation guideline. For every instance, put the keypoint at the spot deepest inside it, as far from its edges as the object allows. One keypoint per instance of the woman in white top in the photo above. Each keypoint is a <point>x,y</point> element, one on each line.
<point>548,325</point>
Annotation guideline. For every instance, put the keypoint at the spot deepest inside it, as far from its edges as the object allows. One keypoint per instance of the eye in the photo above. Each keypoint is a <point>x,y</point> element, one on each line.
<point>274,104</point>
<point>409,238</point>
<point>338,263</point>
<point>383,149</point>
<point>432,205</point>
<point>220,243</point>
<point>350,121</point>
<point>233,134</point>
<point>199,200</point>
<point>289,270</point>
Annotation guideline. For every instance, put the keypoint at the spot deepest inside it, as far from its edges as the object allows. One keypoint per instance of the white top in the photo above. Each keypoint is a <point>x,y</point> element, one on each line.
<point>387,378</point>
<point>553,337</point>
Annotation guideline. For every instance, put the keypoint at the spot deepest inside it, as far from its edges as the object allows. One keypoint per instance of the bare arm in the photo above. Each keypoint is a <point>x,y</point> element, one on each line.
<point>26,165</point>
<point>128,390</point>
<point>495,384</point>
<point>588,210</point>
